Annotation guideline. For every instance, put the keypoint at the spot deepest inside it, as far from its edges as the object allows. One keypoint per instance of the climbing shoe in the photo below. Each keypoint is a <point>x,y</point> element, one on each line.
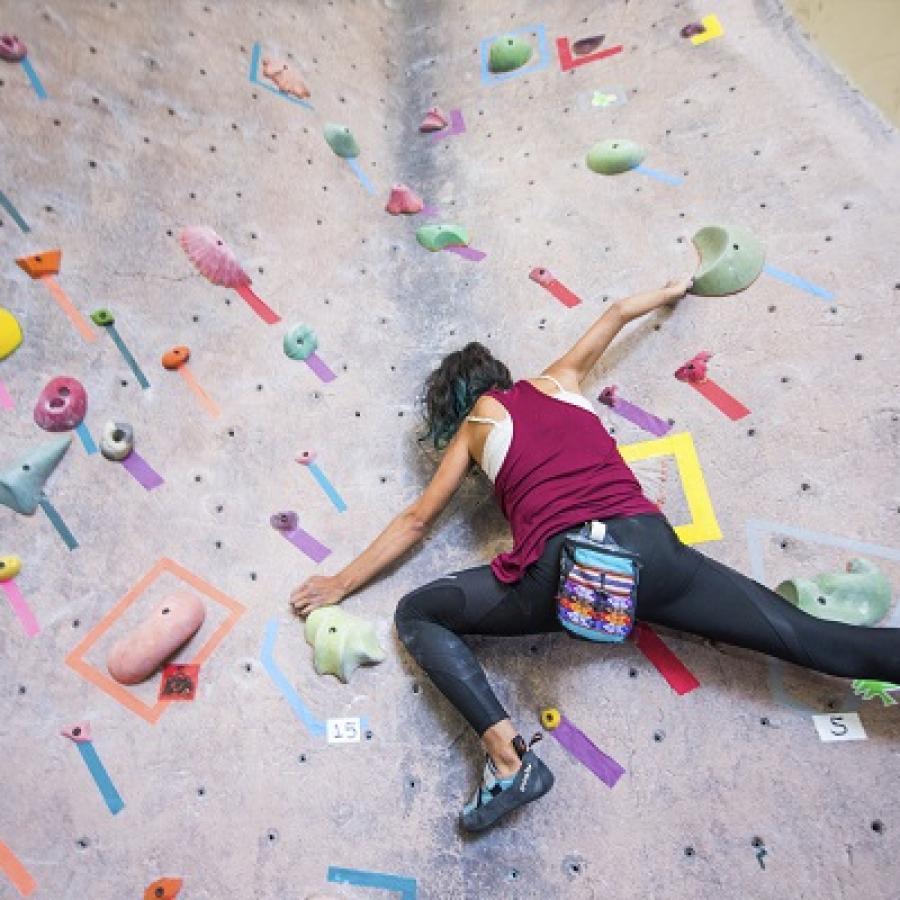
<point>495,797</point>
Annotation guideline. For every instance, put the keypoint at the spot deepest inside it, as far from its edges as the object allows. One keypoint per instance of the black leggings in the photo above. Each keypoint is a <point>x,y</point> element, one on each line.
<point>679,588</point>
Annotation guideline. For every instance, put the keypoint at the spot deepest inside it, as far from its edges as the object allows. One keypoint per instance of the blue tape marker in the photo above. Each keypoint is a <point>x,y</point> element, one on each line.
<point>357,168</point>
<point>6,203</point>
<point>796,281</point>
<point>101,776</point>
<point>267,658</point>
<point>86,440</point>
<point>57,522</point>
<point>659,176</point>
<point>489,78</point>
<point>255,56</point>
<point>756,531</point>
<point>117,340</point>
<point>328,487</point>
<point>33,78</point>
<point>406,887</point>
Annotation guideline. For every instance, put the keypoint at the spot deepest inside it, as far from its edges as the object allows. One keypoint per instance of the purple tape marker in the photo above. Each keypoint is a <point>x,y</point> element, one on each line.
<point>304,541</point>
<point>635,414</point>
<point>21,608</point>
<point>457,126</point>
<point>142,472</point>
<point>587,752</point>
<point>469,253</point>
<point>430,211</point>
<point>318,365</point>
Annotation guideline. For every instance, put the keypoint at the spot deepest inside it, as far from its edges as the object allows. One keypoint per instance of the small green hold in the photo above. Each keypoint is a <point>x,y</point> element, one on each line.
<point>869,690</point>
<point>102,316</point>
<point>615,156</point>
<point>340,139</point>
<point>300,342</point>
<point>436,237</point>
<point>508,53</point>
<point>731,259</point>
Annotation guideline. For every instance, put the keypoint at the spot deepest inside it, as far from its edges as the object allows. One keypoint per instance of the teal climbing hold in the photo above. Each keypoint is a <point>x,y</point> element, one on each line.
<point>436,237</point>
<point>731,259</point>
<point>22,486</point>
<point>859,596</point>
<point>300,342</point>
<point>615,156</point>
<point>340,139</point>
<point>508,53</point>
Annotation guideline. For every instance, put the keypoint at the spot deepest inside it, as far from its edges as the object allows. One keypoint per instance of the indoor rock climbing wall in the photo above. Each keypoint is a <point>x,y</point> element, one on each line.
<point>129,121</point>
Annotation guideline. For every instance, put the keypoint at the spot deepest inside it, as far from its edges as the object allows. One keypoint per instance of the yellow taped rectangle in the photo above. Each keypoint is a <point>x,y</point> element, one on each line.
<point>713,30</point>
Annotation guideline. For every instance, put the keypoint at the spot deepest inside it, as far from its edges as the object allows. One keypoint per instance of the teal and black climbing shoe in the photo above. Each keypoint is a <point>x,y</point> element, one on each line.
<point>495,797</point>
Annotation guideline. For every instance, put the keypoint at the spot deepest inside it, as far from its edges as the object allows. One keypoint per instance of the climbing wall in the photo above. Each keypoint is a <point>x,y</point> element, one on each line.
<point>129,121</point>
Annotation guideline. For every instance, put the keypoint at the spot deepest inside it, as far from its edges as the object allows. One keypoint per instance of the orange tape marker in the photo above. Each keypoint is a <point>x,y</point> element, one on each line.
<point>19,876</point>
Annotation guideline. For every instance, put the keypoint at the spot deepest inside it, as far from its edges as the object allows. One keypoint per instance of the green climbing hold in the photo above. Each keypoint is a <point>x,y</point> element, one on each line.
<point>102,316</point>
<point>869,690</point>
<point>731,259</point>
<point>508,53</point>
<point>300,342</point>
<point>22,486</point>
<point>859,596</point>
<point>615,156</point>
<point>340,139</point>
<point>436,237</point>
<point>341,641</point>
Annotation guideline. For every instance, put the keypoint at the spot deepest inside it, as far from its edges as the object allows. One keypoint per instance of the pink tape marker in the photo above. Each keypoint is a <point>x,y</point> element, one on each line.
<point>633,413</point>
<point>469,253</point>
<point>287,524</point>
<point>20,607</point>
<point>582,747</point>
<point>141,471</point>
<point>680,678</point>
<point>6,400</point>
<point>693,372</point>
<point>457,126</point>
<point>546,279</point>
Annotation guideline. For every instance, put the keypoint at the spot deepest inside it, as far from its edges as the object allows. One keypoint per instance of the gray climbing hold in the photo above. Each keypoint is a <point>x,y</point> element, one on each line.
<point>117,440</point>
<point>508,53</point>
<point>340,139</point>
<point>22,486</point>
<point>436,237</point>
<point>731,259</point>
<point>615,156</point>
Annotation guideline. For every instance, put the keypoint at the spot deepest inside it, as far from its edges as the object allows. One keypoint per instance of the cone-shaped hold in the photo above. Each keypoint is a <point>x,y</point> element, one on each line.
<point>12,49</point>
<point>10,333</point>
<point>404,200</point>
<point>859,596</point>
<point>436,237</point>
<point>615,156</point>
<point>508,53</point>
<point>22,485</point>
<point>103,316</point>
<point>340,139</point>
<point>731,259</point>
<point>40,264</point>
<point>434,120</point>
<point>341,641</point>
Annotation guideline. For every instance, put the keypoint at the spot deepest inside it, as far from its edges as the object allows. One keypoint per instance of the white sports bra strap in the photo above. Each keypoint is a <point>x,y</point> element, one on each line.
<point>483,419</point>
<point>562,389</point>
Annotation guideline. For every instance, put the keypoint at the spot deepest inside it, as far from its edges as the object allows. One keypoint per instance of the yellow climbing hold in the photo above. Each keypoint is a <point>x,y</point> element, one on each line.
<point>10,566</point>
<point>10,333</point>
<point>550,718</point>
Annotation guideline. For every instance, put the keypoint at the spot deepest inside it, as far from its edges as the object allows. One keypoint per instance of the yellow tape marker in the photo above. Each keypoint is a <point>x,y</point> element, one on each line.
<point>703,526</point>
<point>713,30</point>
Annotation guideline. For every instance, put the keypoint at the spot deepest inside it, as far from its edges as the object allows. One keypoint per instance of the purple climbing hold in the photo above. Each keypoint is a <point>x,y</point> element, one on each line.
<point>692,29</point>
<point>285,521</point>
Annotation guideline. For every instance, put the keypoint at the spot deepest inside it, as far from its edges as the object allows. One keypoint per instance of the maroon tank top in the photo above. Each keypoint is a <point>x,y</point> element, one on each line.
<point>562,468</point>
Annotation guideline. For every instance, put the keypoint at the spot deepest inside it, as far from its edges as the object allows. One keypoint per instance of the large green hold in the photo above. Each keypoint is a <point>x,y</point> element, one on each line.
<point>508,53</point>
<point>22,486</point>
<point>859,596</point>
<point>340,139</point>
<point>342,642</point>
<point>436,237</point>
<point>615,156</point>
<point>731,259</point>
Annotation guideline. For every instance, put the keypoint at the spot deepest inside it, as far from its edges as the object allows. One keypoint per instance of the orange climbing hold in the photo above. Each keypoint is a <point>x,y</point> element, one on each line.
<point>163,889</point>
<point>286,80</point>
<point>41,264</point>
<point>176,357</point>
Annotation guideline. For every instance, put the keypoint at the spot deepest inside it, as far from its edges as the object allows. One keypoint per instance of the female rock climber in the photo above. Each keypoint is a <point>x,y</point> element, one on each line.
<point>555,467</point>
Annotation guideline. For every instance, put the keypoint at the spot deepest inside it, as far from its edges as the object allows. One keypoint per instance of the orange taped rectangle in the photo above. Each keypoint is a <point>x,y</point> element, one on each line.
<point>118,692</point>
<point>20,878</point>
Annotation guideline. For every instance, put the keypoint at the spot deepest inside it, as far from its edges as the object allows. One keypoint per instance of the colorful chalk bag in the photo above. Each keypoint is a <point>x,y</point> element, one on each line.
<point>598,581</point>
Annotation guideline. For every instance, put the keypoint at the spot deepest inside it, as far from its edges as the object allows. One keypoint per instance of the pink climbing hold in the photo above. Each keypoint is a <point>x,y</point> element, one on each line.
<point>307,457</point>
<point>694,370</point>
<point>212,256</point>
<point>544,277</point>
<point>434,120</point>
<point>404,200</point>
<point>285,80</point>
<point>62,404</point>
<point>80,732</point>
<point>12,49</point>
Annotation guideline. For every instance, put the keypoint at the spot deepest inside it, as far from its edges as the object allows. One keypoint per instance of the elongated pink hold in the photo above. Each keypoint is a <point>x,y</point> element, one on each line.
<point>544,277</point>
<point>434,120</point>
<point>404,200</point>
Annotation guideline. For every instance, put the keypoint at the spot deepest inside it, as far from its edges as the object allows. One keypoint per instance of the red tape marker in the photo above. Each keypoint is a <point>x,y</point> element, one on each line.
<point>680,678</point>
<point>567,61</point>
<point>546,279</point>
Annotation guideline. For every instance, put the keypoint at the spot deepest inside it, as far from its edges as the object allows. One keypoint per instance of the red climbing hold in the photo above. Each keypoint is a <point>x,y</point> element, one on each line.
<point>434,120</point>
<point>694,370</point>
<point>404,200</point>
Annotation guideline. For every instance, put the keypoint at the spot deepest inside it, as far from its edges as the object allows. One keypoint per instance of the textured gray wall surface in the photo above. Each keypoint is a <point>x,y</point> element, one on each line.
<point>152,124</point>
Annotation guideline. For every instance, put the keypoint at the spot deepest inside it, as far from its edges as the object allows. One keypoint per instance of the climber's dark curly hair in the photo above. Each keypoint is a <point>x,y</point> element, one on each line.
<point>453,387</point>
